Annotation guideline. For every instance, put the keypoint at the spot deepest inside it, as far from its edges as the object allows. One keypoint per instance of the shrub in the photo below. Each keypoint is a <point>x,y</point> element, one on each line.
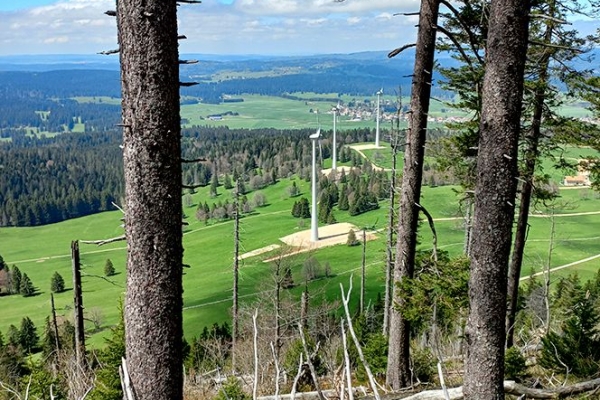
<point>352,241</point>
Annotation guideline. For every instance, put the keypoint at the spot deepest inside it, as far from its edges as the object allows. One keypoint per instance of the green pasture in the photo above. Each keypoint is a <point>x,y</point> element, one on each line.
<point>40,251</point>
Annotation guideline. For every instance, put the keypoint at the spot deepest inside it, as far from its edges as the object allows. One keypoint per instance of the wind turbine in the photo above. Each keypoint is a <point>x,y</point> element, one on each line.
<point>379,93</point>
<point>314,228</point>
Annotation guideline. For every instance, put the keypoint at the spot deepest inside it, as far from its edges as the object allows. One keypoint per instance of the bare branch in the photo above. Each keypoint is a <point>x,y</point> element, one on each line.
<point>109,52</point>
<point>195,160</point>
<point>407,14</point>
<point>188,61</point>
<point>345,300</point>
<point>432,226</point>
<point>187,84</point>
<point>104,241</point>
<point>555,46</point>
<point>399,50</point>
<point>191,186</point>
<point>550,18</point>
<point>101,277</point>
<point>111,13</point>
<point>189,1</point>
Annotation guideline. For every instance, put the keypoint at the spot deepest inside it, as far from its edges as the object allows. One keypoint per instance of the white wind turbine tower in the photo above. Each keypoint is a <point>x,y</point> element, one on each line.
<point>314,228</point>
<point>379,93</point>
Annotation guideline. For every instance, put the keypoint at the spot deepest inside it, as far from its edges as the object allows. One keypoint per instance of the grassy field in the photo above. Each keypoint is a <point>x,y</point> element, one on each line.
<point>40,251</point>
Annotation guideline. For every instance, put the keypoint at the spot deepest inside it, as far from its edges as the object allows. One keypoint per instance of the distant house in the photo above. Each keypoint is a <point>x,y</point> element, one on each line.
<point>577,180</point>
<point>583,175</point>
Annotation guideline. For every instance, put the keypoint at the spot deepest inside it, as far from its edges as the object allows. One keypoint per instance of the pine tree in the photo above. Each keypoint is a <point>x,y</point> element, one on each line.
<point>13,336</point>
<point>109,268</point>
<point>28,337</point>
<point>26,288</point>
<point>57,283</point>
<point>343,201</point>
<point>227,182</point>
<point>16,277</point>
<point>214,184</point>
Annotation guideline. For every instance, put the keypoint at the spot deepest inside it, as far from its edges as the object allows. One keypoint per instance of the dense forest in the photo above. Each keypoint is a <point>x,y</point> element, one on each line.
<point>51,179</point>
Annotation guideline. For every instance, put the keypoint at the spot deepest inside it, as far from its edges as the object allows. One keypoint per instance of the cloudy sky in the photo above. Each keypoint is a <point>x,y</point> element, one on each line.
<point>269,27</point>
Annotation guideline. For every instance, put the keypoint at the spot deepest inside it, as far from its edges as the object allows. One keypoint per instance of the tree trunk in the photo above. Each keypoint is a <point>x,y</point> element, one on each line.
<point>78,306</point>
<point>151,153</point>
<point>398,372</point>
<point>494,197</point>
<point>391,230</point>
<point>531,155</point>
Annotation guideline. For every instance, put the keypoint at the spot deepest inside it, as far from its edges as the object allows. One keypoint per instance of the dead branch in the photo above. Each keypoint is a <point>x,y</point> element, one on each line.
<point>550,18</point>
<point>555,46</point>
<point>101,277</point>
<point>432,226</point>
<point>277,371</point>
<point>111,13</point>
<point>510,387</point>
<point>407,14</point>
<point>115,204</point>
<point>188,61</point>
<point>109,52</point>
<point>297,378</point>
<point>194,160</point>
<point>399,50</point>
<point>345,300</point>
<point>125,381</point>
<point>187,84</point>
<point>255,341</point>
<point>104,241</point>
<point>311,367</point>
<point>347,364</point>
<point>191,186</point>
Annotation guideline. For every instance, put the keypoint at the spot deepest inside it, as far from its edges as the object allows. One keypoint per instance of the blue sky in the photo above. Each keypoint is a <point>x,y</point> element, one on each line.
<point>269,27</point>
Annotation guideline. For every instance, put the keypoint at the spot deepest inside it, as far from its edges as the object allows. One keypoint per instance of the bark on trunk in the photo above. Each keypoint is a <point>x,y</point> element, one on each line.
<point>531,155</point>
<point>151,152</point>
<point>494,197</point>
<point>398,371</point>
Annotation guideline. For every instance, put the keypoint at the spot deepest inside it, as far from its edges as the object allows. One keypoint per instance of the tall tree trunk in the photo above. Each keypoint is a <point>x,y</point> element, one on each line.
<point>151,151</point>
<point>398,372</point>
<point>532,139</point>
<point>78,306</point>
<point>391,230</point>
<point>236,264</point>
<point>494,197</point>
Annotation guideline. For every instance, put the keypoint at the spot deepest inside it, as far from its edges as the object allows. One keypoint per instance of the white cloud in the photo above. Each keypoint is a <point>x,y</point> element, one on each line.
<point>242,27</point>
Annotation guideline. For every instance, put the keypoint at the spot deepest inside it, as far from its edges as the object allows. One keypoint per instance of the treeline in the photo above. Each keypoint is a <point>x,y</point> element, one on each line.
<point>47,180</point>
<point>51,115</point>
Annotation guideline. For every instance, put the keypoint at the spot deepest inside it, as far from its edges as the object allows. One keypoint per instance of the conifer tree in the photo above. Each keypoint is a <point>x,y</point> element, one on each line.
<point>109,268</point>
<point>57,283</point>
<point>26,288</point>
<point>28,337</point>
<point>16,277</point>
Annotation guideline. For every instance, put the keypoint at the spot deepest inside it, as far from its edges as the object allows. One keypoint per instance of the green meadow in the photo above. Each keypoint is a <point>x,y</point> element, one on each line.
<point>40,251</point>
